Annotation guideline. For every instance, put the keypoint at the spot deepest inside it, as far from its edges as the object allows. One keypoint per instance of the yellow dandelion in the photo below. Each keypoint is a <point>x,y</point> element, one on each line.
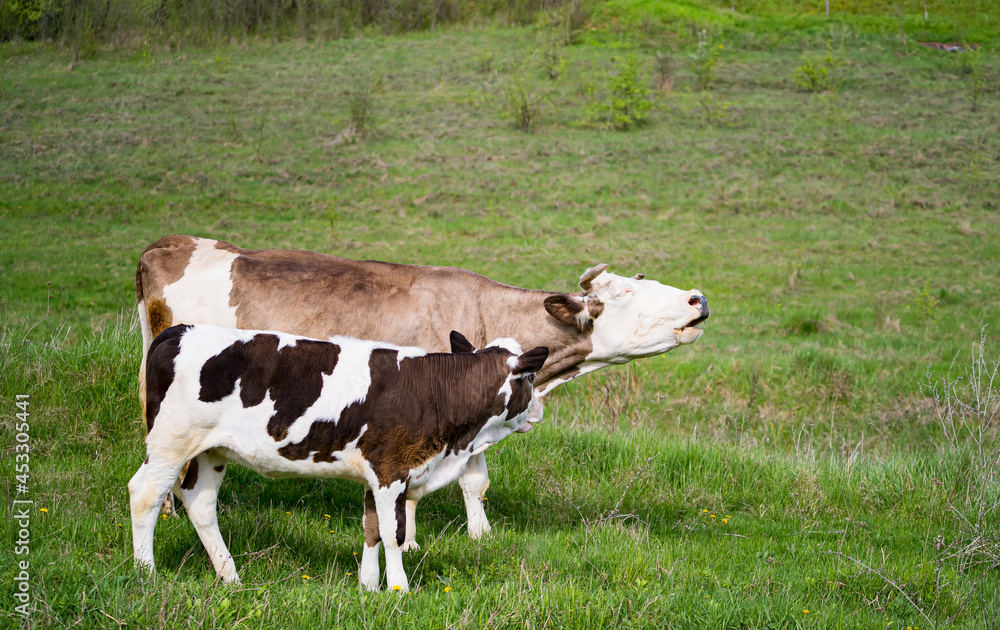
<point>727,516</point>
<point>327,515</point>
<point>355,553</point>
<point>713,516</point>
<point>806,611</point>
<point>349,574</point>
<point>397,588</point>
<point>306,577</point>
<point>447,589</point>
<point>724,521</point>
<point>43,509</point>
<point>288,513</point>
<point>119,524</point>
<point>331,531</point>
<point>704,511</point>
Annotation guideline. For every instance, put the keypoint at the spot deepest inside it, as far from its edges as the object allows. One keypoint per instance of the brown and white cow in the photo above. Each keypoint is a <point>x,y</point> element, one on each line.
<point>185,279</point>
<point>398,420</point>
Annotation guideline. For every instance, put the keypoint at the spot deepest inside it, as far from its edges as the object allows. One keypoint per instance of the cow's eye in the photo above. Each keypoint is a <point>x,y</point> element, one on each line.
<point>531,378</point>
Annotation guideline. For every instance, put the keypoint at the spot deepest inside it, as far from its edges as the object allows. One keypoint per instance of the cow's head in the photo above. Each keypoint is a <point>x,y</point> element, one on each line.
<point>522,409</point>
<point>630,318</point>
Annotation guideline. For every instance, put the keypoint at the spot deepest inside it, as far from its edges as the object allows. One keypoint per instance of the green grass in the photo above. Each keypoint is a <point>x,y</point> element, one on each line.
<point>844,245</point>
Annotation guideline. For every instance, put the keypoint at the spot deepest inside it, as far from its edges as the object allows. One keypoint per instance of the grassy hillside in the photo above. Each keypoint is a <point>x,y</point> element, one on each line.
<point>846,240</point>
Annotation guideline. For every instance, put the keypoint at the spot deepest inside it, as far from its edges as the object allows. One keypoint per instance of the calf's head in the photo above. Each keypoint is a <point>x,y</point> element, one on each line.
<point>522,409</point>
<point>630,318</point>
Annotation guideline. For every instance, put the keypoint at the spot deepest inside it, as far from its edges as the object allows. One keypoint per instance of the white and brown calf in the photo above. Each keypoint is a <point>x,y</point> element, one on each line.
<point>615,319</point>
<point>399,420</point>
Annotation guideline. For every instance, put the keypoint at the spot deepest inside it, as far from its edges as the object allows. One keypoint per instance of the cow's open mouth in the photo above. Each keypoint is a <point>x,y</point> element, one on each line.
<point>690,333</point>
<point>691,324</point>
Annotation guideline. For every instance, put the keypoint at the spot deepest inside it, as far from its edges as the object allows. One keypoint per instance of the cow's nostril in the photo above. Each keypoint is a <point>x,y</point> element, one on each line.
<point>695,301</point>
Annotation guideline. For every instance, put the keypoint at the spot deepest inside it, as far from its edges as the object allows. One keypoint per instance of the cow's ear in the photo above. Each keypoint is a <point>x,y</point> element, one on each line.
<point>459,344</point>
<point>639,276</point>
<point>532,360</point>
<point>568,311</point>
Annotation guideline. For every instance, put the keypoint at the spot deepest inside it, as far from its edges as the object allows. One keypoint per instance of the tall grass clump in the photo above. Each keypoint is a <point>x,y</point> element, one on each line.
<point>966,407</point>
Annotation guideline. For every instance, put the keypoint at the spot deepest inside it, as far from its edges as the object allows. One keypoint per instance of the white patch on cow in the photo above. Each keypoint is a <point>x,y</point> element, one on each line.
<point>641,318</point>
<point>202,293</point>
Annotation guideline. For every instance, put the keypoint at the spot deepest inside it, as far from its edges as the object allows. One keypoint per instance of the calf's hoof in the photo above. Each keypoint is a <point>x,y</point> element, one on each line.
<point>410,545</point>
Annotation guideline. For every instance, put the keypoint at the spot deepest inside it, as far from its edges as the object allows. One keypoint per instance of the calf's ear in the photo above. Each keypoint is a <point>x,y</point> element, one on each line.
<point>459,344</point>
<point>532,360</point>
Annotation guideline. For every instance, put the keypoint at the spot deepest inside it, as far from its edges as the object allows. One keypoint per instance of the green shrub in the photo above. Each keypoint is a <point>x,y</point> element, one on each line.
<point>705,57</point>
<point>969,64</point>
<point>521,104</point>
<point>623,100</point>
<point>362,101</point>
<point>818,74</point>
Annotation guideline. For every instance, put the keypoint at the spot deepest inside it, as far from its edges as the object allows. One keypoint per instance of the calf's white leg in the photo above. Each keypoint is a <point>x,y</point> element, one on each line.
<point>391,510</point>
<point>147,489</point>
<point>474,481</point>
<point>369,572</point>
<point>200,493</point>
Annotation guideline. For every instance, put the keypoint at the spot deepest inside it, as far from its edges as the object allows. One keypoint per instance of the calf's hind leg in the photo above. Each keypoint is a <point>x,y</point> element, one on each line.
<point>147,489</point>
<point>200,492</point>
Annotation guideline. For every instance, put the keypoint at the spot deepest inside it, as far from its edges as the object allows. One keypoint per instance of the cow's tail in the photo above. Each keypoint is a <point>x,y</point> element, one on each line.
<point>147,334</point>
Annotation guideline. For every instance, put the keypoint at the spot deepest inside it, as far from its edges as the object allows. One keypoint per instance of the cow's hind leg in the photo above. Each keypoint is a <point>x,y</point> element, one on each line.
<point>200,492</point>
<point>474,481</point>
<point>147,489</point>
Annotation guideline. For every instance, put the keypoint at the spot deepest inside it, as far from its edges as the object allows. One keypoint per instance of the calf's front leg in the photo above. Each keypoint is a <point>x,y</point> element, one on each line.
<point>474,481</point>
<point>390,507</point>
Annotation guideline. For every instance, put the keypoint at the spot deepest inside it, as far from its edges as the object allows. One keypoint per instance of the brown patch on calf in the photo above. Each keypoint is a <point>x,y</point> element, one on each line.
<point>372,536</point>
<point>191,478</point>
<point>292,375</point>
<point>160,369</point>
<point>416,410</point>
<point>401,518</point>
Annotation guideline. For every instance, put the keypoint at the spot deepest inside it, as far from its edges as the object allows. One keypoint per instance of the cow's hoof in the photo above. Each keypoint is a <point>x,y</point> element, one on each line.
<point>478,532</point>
<point>410,545</point>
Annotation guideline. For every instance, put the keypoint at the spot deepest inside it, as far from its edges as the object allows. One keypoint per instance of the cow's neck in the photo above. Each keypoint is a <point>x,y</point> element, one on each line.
<point>524,318</point>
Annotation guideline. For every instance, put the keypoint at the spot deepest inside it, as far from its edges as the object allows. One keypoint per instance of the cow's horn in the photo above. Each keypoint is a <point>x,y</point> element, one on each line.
<point>639,276</point>
<point>589,275</point>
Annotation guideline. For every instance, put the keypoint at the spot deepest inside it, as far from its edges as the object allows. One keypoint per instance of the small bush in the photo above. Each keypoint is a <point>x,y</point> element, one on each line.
<point>819,74</point>
<point>664,70</point>
<point>362,101</point>
<point>969,64</point>
<point>623,100</point>
<point>550,55</point>
<point>485,59</point>
<point>705,59</point>
<point>568,21</point>
<point>521,104</point>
